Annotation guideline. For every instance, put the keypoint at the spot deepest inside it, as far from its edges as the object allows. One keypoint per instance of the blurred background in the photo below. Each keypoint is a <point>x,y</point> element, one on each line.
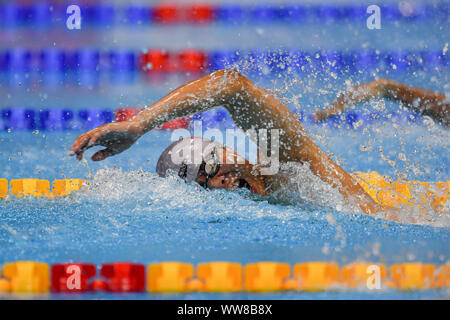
<point>108,61</point>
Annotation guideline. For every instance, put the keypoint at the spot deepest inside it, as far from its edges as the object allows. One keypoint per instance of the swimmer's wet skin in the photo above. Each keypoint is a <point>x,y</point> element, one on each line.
<point>250,107</point>
<point>425,102</point>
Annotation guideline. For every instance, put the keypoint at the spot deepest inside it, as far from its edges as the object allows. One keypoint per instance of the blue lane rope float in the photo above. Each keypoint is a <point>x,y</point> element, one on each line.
<point>54,119</point>
<point>14,14</point>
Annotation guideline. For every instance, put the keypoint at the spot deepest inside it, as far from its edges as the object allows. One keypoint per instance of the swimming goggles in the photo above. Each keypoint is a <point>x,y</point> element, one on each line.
<point>208,168</point>
<point>210,165</point>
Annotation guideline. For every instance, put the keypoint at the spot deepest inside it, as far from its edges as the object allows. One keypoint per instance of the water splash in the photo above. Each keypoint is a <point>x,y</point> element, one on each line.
<point>298,188</point>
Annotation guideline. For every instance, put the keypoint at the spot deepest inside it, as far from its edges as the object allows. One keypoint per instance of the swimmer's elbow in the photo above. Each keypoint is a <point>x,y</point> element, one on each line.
<point>236,83</point>
<point>381,88</point>
<point>233,78</point>
<point>389,88</point>
<point>229,73</point>
<point>383,82</point>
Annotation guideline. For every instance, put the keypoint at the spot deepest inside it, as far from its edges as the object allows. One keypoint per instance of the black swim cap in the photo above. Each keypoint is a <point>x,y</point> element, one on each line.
<point>185,156</point>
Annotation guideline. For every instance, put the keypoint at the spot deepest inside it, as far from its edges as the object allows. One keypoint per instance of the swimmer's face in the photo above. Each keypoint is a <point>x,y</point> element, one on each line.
<point>231,176</point>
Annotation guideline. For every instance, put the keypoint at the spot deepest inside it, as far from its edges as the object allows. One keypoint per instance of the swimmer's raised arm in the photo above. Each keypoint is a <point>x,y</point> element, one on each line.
<point>250,107</point>
<point>420,100</point>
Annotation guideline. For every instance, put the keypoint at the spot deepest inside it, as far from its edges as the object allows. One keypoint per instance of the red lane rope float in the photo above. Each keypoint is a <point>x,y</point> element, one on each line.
<point>124,277</point>
<point>200,14</point>
<point>182,123</point>
<point>72,277</point>
<point>193,61</point>
<point>172,14</point>
<point>127,114</point>
<point>167,14</point>
<point>154,61</point>
<point>157,61</point>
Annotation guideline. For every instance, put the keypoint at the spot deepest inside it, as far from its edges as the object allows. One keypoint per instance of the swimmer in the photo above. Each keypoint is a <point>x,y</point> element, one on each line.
<point>422,101</point>
<point>250,107</point>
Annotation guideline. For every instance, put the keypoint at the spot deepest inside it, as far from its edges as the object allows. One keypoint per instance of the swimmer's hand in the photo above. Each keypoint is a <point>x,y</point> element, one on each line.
<point>336,108</point>
<point>115,136</point>
<point>322,114</point>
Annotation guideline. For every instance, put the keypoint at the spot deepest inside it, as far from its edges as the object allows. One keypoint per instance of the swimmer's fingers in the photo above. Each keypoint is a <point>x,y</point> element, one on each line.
<point>103,154</point>
<point>79,146</point>
<point>95,139</point>
<point>116,137</point>
<point>320,115</point>
<point>84,142</point>
<point>113,144</point>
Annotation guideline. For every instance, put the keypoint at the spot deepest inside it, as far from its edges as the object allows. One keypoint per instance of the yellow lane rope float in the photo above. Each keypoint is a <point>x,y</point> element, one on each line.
<point>391,193</point>
<point>40,188</point>
<point>384,190</point>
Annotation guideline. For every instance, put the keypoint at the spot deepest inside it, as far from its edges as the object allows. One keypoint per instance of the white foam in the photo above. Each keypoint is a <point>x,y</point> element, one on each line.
<point>303,191</point>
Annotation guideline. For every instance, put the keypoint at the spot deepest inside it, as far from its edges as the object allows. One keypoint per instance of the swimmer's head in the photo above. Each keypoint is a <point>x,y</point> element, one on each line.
<point>210,164</point>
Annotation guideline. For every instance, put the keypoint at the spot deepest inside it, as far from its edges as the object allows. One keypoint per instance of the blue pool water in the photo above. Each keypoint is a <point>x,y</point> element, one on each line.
<point>130,214</point>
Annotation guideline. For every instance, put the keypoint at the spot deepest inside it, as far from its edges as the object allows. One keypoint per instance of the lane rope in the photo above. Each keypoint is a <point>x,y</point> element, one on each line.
<point>219,277</point>
<point>59,119</point>
<point>16,15</point>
